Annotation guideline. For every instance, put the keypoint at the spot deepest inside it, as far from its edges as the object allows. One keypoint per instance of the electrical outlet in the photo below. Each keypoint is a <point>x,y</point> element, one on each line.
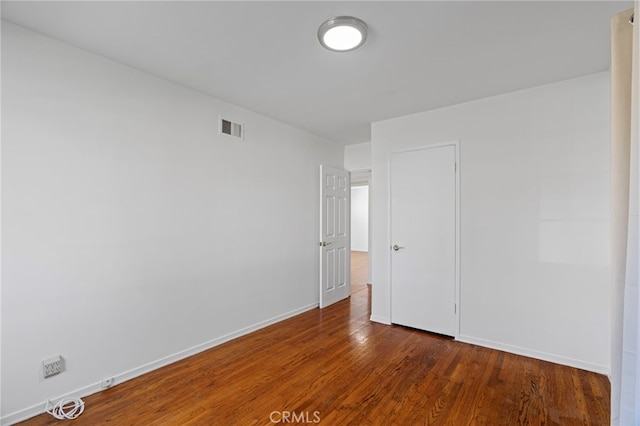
<point>52,366</point>
<point>107,383</point>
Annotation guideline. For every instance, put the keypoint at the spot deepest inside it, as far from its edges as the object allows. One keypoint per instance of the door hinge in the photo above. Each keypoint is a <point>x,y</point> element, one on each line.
<point>455,308</point>
<point>455,167</point>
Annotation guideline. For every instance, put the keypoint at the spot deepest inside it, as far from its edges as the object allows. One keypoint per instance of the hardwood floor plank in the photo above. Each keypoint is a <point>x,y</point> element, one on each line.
<point>339,366</point>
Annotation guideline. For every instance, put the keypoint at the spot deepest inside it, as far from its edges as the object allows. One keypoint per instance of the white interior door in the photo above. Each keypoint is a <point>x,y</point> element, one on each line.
<point>335,250</point>
<point>423,239</point>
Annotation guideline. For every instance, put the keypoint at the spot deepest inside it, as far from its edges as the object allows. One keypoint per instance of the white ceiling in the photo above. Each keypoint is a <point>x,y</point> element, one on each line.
<point>264,56</point>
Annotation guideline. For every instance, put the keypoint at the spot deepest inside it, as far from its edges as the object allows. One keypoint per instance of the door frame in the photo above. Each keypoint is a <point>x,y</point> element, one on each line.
<point>456,144</point>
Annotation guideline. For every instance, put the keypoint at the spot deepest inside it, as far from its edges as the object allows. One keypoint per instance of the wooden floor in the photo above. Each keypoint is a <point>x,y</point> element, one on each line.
<point>335,367</point>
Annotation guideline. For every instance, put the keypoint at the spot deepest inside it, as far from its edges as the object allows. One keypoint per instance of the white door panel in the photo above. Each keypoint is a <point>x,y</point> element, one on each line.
<point>423,238</point>
<point>335,217</point>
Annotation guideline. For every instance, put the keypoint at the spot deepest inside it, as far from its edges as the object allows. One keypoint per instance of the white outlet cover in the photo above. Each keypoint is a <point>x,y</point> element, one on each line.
<point>52,366</point>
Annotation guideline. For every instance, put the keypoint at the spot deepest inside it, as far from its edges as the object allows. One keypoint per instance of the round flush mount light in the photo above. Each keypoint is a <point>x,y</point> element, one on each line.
<point>342,33</point>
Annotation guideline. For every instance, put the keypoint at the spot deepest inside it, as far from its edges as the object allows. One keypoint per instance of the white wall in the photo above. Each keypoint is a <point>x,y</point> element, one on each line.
<point>133,233</point>
<point>357,156</point>
<point>534,217</point>
<point>360,218</point>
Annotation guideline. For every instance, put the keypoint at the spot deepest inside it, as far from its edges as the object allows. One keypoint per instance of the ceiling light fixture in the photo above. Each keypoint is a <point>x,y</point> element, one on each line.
<point>342,33</point>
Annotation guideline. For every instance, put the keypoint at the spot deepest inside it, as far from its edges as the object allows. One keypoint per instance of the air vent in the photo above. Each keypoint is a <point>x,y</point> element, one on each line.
<point>230,128</point>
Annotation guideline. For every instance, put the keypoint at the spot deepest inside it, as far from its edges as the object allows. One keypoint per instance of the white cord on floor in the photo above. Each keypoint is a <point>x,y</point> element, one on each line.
<point>67,408</point>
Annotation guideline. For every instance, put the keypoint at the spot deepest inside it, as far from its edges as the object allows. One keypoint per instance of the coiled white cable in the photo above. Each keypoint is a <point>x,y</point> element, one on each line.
<point>67,408</point>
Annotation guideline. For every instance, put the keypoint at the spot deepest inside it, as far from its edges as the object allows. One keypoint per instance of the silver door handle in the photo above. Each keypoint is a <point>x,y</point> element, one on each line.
<point>396,247</point>
<point>324,243</point>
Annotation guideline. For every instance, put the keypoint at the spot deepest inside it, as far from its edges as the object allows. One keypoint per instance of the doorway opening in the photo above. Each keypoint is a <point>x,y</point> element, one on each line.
<point>360,227</point>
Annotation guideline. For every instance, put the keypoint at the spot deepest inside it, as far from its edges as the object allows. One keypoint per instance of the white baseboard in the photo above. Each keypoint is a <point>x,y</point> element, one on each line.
<point>37,409</point>
<point>583,365</point>
<point>380,319</point>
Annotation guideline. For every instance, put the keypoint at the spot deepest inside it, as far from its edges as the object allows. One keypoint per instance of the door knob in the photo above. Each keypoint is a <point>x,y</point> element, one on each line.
<point>396,247</point>
<point>324,243</point>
